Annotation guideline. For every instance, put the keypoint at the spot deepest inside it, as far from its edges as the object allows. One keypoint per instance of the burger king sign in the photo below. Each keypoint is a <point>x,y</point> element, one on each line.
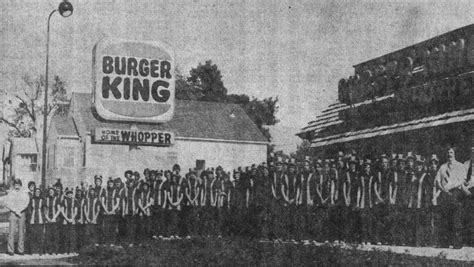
<point>133,81</point>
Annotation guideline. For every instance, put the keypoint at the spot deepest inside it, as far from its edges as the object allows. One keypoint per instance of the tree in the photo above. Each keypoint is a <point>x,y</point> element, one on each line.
<point>23,110</point>
<point>261,112</point>
<point>205,84</point>
<point>186,91</point>
<point>302,150</point>
<point>208,78</point>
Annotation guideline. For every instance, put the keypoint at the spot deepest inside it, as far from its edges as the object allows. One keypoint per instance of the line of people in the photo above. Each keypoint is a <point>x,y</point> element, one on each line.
<point>398,200</point>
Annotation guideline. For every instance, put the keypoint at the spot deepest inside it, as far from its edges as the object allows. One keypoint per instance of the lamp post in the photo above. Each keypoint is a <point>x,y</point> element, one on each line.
<point>65,9</point>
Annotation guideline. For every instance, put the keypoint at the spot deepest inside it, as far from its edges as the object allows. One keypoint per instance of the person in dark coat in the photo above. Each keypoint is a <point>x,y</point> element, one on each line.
<point>69,212</point>
<point>51,218</point>
<point>36,221</point>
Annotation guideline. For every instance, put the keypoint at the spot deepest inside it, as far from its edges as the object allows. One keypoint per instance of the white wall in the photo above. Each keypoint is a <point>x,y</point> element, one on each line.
<point>228,155</point>
<point>113,160</point>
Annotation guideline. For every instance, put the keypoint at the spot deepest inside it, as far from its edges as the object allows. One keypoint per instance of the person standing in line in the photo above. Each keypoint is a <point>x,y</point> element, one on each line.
<point>304,199</point>
<point>383,206</point>
<point>175,198</point>
<point>468,236</point>
<point>99,191</point>
<point>334,207</point>
<point>235,204</point>
<point>120,195</point>
<point>192,195</point>
<point>350,193</point>
<point>91,209</point>
<point>377,198</point>
<point>165,187</point>
<point>80,219</point>
<point>110,204</point>
<point>397,189</point>
<point>392,216</point>
<point>221,199</point>
<point>264,194</point>
<point>317,228</point>
<point>435,212</point>
<point>31,193</point>
<point>16,201</point>
<point>421,189</point>
<point>408,234</point>
<point>289,191</point>
<point>69,212</point>
<point>277,200</point>
<point>129,210</point>
<point>215,191</point>
<point>144,202</point>
<point>36,222</point>
<point>451,178</point>
<point>51,214</point>
<point>159,199</point>
<point>364,200</point>
<point>340,170</point>
<point>324,192</point>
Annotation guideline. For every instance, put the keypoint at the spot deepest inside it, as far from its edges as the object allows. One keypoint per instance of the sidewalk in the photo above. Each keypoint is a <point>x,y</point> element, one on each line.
<point>463,254</point>
<point>35,259</point>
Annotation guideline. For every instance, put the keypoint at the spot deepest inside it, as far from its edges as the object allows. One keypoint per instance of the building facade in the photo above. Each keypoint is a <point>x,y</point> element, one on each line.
<point>419,98</point>
<point>205,135</point>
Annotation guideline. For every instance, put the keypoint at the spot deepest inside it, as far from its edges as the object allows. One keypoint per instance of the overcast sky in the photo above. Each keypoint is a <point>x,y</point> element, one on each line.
<point>296,50</point>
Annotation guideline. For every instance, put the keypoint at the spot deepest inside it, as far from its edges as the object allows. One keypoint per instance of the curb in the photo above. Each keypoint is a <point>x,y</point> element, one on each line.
<point>16,257</point>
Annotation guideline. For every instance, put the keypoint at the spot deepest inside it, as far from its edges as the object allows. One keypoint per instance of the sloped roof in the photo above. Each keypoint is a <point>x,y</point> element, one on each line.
<point>65,125</point>
<point>330,116</point>
<point>192,119</point>
<point>24,145</point>
<point>433,121</point>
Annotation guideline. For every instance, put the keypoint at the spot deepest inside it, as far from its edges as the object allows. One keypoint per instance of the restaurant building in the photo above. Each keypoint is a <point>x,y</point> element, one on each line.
<point>419,98</point>
<point>200,134</point>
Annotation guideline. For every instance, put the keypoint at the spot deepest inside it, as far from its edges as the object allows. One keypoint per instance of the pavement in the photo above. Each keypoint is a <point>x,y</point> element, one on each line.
<point>36,259</point>
<point>462,254</point>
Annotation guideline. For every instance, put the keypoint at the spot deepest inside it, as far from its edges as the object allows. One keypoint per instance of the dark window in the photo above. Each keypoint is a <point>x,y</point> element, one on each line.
<point>200,164</point>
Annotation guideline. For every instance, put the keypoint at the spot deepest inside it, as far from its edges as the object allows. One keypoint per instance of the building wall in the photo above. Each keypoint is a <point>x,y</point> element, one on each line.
<point>113,160</point>
<point>228,155</point>
<point>22,169</point>
<point>65,162</point>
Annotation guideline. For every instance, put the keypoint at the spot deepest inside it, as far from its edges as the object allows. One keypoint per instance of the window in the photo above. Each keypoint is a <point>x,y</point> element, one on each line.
<point>28,162</point>
<point>34,163</point>
<point>200,164</point>
<point>68,159</point>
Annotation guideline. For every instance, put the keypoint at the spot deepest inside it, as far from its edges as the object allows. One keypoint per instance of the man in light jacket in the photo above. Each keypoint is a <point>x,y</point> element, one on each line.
<point>16,201</point>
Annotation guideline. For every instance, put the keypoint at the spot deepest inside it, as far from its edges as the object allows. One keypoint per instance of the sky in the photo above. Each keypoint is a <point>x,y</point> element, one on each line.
<point>296,50</point>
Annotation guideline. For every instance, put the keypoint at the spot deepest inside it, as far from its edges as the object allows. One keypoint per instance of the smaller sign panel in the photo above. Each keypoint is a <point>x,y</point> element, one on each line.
<point>133,137</point>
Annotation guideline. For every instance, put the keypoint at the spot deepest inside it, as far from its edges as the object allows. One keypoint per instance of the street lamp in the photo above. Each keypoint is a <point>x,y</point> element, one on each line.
<point>65,9</point>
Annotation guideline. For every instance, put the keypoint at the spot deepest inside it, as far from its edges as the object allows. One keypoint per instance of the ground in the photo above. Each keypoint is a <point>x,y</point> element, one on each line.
<point>217,251</point>
<point>239,251</point>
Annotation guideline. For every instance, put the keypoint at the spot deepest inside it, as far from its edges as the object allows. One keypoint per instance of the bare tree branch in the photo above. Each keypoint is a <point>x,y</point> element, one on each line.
<point>32,116</point>
<point>11,124</point>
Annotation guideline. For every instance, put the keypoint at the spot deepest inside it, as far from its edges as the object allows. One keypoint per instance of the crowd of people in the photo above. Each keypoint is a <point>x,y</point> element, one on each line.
<point>397,199</point>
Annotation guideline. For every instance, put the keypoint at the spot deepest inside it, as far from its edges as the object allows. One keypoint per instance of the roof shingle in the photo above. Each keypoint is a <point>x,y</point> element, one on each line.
<point>192,119</point>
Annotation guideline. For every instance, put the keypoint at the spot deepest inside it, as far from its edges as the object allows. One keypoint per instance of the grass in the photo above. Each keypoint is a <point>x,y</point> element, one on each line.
<point>218,252</point>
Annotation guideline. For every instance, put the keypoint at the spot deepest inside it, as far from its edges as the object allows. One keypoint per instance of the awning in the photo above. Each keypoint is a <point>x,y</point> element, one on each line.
<point>433,121</point>
<point>330,116</point>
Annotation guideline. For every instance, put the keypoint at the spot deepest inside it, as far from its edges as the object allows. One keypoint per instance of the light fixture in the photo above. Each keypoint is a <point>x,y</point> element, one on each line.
<point>65,9</point>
